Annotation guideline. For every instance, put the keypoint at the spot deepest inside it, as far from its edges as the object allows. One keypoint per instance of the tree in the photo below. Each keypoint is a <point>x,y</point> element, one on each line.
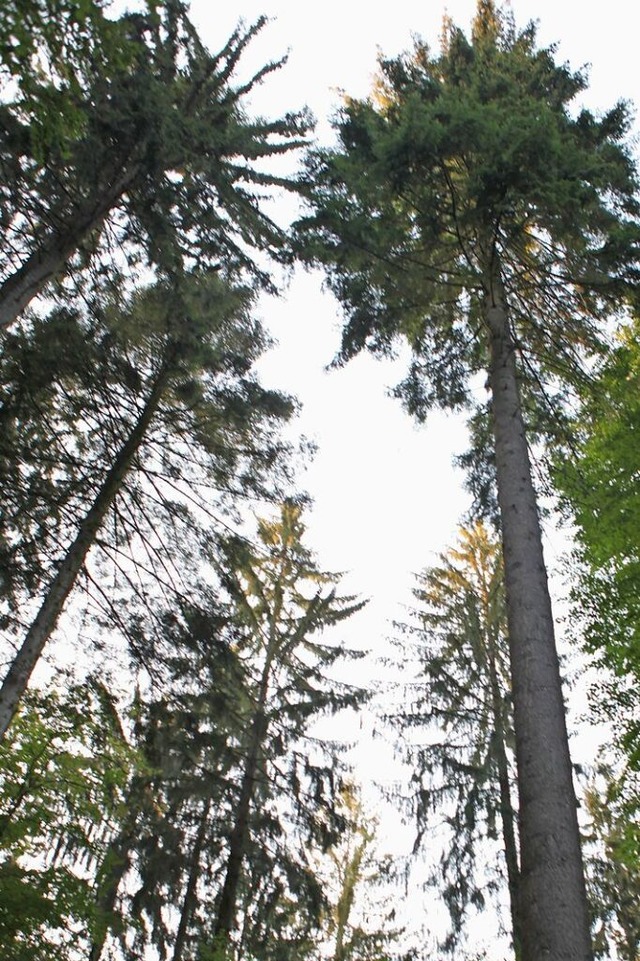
<point>282,599</point>
<point>66,768</point>
<point>468,210</point>
<point>175,397</point>
<point>355,871</point>
<point>597,476</point>
<point>150,888</point>
<point>457,723</point>
<point>128,135</point>
<point>613,865</point>
<point>216,855</point>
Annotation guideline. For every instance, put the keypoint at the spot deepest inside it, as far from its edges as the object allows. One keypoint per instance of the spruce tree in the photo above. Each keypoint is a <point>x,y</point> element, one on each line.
<point>125,144</point>
<point>282,601</point>
<point>471,210</point>
<point>456,722</point>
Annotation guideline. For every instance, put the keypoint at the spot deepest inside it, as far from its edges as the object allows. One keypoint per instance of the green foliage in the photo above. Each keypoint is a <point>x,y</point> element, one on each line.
<point>460,167</point>
<point>239,677</point>
<point>613,864</point>
<point>281,602</point>
<point>598,478</point>
<point>152,160</point>
<point>66,768</point>
<point>360,922</point>
<point>73,386</point>
<point>48,50</point>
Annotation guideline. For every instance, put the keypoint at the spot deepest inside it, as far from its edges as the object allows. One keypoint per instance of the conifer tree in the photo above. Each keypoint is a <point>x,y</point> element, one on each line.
<point>470,210</point>
<point>457,724</point>
<point>128,135</point>
<point>282,599</point>
<point>235,796</point>
<point>170,408</point>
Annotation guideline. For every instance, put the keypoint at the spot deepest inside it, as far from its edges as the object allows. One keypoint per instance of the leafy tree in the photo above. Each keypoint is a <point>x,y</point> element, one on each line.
<point>457,724</point>
<point>66,767</point>
<point>355,871</point>
<point>128,136</point>
<point>613,865</point>
<point>171,407</point>
<point>469,209</point>
<point>597,476</point>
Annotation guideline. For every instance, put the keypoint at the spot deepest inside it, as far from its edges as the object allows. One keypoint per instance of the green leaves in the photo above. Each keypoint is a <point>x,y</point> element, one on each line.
<point>66,767</point>
<point>598,478</point>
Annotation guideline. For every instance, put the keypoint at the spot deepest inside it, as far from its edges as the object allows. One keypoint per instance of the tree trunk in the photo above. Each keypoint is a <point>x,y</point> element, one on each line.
<point>17,679</point>
<point>552,892</point>
<point>49,259</point>
<point>507,814</point>
<point>113,870</point>
<point>225,920</point>
<point>189,901</point>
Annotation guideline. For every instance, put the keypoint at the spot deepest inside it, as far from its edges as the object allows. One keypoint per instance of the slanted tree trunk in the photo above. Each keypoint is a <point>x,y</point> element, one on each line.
<point>507,814</point>
<point>555,923</point>
<point>17,679</point>
<point>226,915</point>
<point>189,901</point>
<point>50,257</point>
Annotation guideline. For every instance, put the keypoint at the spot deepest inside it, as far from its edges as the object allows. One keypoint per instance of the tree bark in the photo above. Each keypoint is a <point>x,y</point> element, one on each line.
<point>54,250</point>
<point>555,922</point>
<point>17,679</point>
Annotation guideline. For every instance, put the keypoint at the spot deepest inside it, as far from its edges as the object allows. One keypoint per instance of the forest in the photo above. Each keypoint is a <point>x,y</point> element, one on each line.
<point>179,694</point>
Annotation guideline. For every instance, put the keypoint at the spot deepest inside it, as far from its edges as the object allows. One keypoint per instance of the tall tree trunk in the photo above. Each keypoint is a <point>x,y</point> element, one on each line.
<point>117,861</point>
<point>507,814</point>
<point>226,916</point>
<point>112,872</point>
<point>553,901</point>
<point>189,901</point>
<point>17,679</point>
<point>54,250</point>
